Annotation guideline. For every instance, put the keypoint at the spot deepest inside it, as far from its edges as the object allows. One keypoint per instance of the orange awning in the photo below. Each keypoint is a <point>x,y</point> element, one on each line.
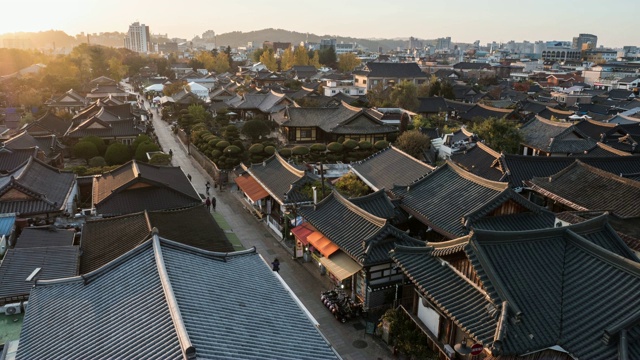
<point>251,187</point>
<point>324,245</point>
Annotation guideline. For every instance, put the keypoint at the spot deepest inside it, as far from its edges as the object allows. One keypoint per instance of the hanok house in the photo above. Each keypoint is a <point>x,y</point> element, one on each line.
<point>544,137</point>
<point>11,159</point>
<point>389,167</point>
<point>250,105</point>
<point>272,189</point>
<point>480,160</point>
<point>70,102</point>
<point>352,246</point>
<point>325,125</point>
<point>37,190</point>
<point>40,253</point>
<point>50,150</point>
<point>177,300</point>
<point>110,123</point>
<point>480,112</point>
<point>527,295</point>
<point>388,74</point>
<point>48,124</point>
<point>447,202</point>
<point>104,240</point>
<point>135,187</point>
<point>583,187</point>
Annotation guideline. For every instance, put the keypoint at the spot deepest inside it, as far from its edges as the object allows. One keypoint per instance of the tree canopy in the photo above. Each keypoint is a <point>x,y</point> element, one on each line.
<point>499,134</point>
<point>347,62</point>
<point>413,142</point>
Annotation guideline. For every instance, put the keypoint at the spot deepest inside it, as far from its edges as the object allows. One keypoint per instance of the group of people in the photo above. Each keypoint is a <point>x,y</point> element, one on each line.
<point>210,202</point>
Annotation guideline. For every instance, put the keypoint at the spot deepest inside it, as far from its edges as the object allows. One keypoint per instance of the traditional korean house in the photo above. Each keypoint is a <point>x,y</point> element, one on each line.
<point>389,167</point>
<point>553,138</point>
<point>352,245</point>
<point>12,159</point>
<point>480,160</point>
<point>177,298</point>
<point>550,113</point>
<point>104,240</point>
<point>48,124</point>
<point>49,148</point>
<point>273,189</point>
<point>37,190</point>
<point>70,102</point>
<point>110,123</point>
<point>325,125</point>
<point>480,112</point>
<point>249,105</point>
<point>446,203</point>
<point>583,187</point>
<point>136,186</point>
<point>527,295</point>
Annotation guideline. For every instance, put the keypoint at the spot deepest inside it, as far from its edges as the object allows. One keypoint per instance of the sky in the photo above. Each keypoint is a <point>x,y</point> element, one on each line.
<point>613,21</point>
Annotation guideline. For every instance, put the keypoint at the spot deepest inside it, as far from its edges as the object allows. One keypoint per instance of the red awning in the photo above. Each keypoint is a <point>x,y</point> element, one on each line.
<point>302,232</point>
<point>251,187</point>
<point>324,245</point>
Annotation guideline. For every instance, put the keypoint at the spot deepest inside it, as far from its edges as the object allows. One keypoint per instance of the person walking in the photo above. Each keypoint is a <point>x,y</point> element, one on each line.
<point>208,203</point>
<point>208,186</point>
<point>276,265</point>
<point>189,177</point>
<point>213,203</point>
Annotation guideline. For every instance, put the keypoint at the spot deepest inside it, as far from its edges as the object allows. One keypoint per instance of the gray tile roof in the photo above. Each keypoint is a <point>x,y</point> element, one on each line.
<point>481,111</point>
<point>343,119</point>
<point>12,159</point>
<point>49,123</point>
<point>583,187</point>
<point>55,262</point>
<point>389,167</point>
<point>545,279</point>
<point>43,189</point>
<point>165,300</point>
<point>394,70</point>
<point>44,236</point>
<point>279,177</point>
<point>538,132</point>
<point>519,168</point>
<point>166,188</point>
<point>120,128</point>
<point>442,198</point>
<point>480,160</point>
<point>377,204</point>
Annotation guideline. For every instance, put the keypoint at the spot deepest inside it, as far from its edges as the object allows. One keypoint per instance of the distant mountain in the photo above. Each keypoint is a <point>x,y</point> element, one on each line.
<point>238,38</point>
<point>38,40</point>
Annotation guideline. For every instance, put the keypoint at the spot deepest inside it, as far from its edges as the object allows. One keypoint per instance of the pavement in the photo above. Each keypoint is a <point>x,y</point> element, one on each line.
<point>304,279</point>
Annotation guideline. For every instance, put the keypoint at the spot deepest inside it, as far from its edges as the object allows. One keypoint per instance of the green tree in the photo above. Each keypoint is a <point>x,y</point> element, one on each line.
<point>347,62</point>
<point>405,95</point>
<point>269,60</point>
<point>139,140</point>
<point>85,150</point>
<point>143,149</point>
<point>378,97</point>
<point>160,159</point>
<point>117,70</point>
<point>199,113</point>
<point>256,54</point>
<point>255,129</point>
<point>499,134</point>
<point>98,142</point>
<point>328,57</point>
<point>97,161</point>
<point>207,59</point>
<point>351,186</point>
<point>117,153</point>
<point>413,143</point>
<point>315,60</point>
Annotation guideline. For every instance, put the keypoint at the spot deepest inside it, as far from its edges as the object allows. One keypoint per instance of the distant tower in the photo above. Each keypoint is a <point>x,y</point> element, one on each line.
<point>138,38</point>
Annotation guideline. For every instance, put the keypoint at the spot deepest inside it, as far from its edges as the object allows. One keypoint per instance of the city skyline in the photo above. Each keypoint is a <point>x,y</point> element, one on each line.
<point>495,20</point>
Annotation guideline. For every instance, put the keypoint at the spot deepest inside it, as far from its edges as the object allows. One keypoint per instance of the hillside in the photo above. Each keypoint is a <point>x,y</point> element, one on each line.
<point>237,38</point>
<point>38,40</point>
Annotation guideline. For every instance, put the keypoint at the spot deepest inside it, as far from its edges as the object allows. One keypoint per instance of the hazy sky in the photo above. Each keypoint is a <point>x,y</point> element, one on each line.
<point>613,21</point>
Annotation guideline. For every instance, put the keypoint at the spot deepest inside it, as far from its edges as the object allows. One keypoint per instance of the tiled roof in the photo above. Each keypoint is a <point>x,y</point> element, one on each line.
<point>344,223</point>
<point>389,167</point>
<point>344,119</point>
<point>267,103</point>
<point>458,106</point>
<point>570,141</point>
<point>54,262</point>
<point>549,112</point>
<point>538,132</point>
<point>517,222</point>
<point>35,188</point>
<point>594,129</point>
<point>49,123</point>
<point>44,236</point>
<point>279,177</point>
<point>120,128</point>
<point>394,70</point>
<point>583,187</point>
<point>431,105</point>
<point>169,301</point>
<point>519,168</point>
<point>445,196</point>
<point>481,111</point>
<point>377,204</point>
<point>137,186</point>
<point>480,160</point>
<point>24,140</point>
<point>12,159</point>
<point>548,279</point>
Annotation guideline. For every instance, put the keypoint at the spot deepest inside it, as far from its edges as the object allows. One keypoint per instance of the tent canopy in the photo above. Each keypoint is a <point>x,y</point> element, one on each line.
<point>154,87</point>
<point>341,265</point>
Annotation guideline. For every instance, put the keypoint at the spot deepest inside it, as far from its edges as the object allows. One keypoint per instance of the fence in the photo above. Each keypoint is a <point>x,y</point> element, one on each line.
<point>220,177</point>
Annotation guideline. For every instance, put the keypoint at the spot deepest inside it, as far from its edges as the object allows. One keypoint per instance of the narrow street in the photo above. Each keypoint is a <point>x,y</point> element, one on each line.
<point>304,279</point>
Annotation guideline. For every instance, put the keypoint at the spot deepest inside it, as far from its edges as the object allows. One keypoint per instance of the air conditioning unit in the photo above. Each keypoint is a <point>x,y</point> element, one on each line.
<point>451,354</point>
<point>11,309</point>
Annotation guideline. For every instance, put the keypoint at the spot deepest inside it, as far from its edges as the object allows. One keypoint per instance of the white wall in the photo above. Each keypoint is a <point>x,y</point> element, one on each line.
<point>429,318</point>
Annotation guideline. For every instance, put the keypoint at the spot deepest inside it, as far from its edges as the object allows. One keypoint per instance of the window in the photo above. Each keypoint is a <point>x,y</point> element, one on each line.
<point>356,81</point>
<point>333,91</point>
<point>364,82</point>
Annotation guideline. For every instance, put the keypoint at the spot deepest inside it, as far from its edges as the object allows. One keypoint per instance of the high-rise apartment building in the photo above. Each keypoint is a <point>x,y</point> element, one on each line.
<point>138,38</point>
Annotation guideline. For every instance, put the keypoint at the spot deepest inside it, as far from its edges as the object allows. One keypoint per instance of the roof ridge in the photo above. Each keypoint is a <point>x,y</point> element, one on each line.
<point>559,111</point>
<point>288,166</point>
<point>487,107</point>
<point>549,122</point>
<point>610,149</point>
<point>613,259</point>
<point>378,221</point>
<point>487,149</point>
<point>495,185</point>
<point>411,157</point>
<point>450,243</point>
<point>188,350</point>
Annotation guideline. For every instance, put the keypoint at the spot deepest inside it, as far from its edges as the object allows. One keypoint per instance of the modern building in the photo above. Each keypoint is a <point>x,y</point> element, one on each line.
<point>585,42</point>
<point>138,38</point>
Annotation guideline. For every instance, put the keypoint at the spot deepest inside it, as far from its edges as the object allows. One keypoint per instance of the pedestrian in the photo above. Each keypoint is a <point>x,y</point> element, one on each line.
<point>189,177</point>
<point>276,265</point>
<point>208,186</point>
<point>170,152</point>
<point>208,203</point>
<point>213,203</point>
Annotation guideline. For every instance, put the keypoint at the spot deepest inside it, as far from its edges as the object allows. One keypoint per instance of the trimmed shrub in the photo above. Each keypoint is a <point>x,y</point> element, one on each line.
<point>335,147</point>
<point>98,142</point>
<point>223,144</point>
<point>160,159</point>
<point>285,152</point>
<point>256,149</point>
<point>300,150</point>
<point>270,150</point>
<point>97,161</point>
<point>318,148</point>
<point>364,145</point>
<point>143,149</point>
<point>232,150</point>
<point>85,150</point>
<point>381,144</point>
<point>117,154</point>
<point>350,144</point>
